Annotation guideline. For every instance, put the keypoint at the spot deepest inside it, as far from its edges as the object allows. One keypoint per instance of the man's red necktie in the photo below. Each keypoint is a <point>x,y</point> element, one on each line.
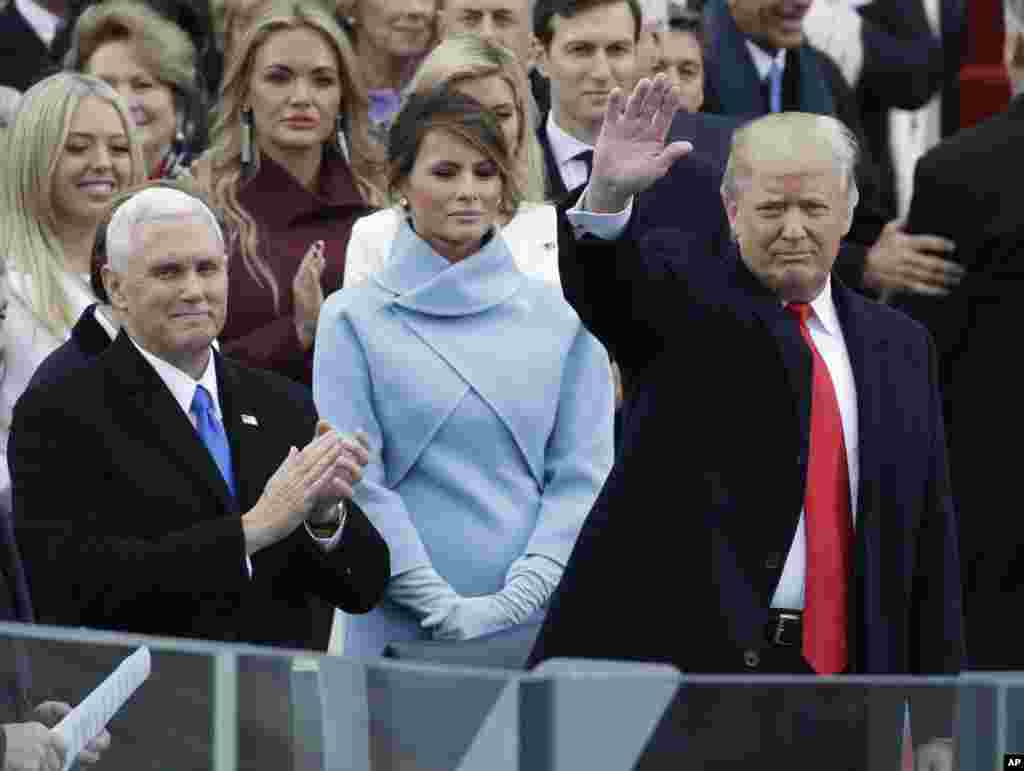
<point>827,521</point>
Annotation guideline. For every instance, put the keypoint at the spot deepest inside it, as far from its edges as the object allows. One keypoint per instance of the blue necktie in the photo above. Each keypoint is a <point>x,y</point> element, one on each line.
<point>775,86</point>
<point>212,433</point>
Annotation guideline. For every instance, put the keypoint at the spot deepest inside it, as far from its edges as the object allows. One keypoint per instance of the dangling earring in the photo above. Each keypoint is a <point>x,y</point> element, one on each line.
<point>404,202</point>
<point>247,154</point>
<point>339,136</point>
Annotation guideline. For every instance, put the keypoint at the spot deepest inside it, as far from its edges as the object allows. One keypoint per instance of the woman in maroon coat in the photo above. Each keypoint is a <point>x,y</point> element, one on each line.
<point>290,169</point>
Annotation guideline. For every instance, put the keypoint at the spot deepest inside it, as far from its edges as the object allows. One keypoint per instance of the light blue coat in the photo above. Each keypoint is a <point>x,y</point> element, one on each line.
<point>489,408</point>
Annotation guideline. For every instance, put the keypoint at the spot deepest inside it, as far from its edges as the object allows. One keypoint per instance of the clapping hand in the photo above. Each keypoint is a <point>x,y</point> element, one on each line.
<point>631,153</point>
<point>348,470</point>
<point>308,293</point>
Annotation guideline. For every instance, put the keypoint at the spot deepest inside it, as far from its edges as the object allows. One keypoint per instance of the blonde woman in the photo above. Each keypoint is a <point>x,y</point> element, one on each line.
<point>290,170</point>
<point>69,150</point>
<point>493,76</point>
<point>151,62</point>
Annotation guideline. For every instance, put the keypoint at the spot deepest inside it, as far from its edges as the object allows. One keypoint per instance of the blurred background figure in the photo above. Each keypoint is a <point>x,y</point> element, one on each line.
<point>390,36</point>
<point>681,52</point>
<point>69,151</point>
<point>483,467</point>
<point>290,168</point>
<point>495,77</point>
<point>966,188</point>
<point>151,63</point>
<point>506,23</point>
<point>27,31</point>
<point>903,59</point>
<point>194,17</point>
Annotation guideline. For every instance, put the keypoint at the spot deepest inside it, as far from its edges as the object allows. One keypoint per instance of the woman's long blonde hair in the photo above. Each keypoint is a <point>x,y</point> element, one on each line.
<point>465,57</point>
<point>226,177</point>
<point>29,226</point>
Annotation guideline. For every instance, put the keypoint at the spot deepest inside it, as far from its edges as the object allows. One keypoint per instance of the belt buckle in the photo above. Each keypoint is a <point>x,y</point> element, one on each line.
<point>780,626</point>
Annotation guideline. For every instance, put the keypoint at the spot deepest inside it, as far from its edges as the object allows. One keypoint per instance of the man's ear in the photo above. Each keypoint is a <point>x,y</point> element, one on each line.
<point>114,285</point>
<point>539,56</point>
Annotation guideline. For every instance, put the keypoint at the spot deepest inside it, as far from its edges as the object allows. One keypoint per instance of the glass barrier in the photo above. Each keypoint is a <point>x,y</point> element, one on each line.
<point>208,706</point>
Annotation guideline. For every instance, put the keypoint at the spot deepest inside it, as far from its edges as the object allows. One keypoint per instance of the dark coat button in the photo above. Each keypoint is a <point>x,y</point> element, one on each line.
<point>751,658</point>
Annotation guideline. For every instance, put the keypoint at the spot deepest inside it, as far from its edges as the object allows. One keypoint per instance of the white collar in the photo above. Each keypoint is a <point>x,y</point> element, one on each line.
<point>563,145</point>
<point>181,384</point>
<point>43,22</point>
<point>763,60</point>
<point>824,308</point>
<point>103,321</point>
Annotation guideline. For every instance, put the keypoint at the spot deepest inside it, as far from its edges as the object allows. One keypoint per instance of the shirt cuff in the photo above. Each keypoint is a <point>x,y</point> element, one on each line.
<point>329,543</point>
<point>604,226</point>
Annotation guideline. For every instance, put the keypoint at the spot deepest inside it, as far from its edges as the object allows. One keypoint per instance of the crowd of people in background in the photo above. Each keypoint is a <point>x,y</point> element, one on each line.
<point>355,242</point>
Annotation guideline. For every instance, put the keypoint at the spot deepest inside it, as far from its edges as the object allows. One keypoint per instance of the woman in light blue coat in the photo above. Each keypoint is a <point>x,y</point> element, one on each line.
<point>488,405</point>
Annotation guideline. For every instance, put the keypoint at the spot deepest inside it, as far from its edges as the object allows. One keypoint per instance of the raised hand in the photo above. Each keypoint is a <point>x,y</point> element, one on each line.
<point>631,153</point>
<point>308,293</point>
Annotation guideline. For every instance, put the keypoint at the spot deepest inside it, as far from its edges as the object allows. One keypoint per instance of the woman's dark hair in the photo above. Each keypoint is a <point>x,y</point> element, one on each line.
<point>443,109</point>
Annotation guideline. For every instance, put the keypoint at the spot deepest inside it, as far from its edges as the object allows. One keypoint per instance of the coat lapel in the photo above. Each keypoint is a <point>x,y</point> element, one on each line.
<point>460,313</point>
<point>149,409</point>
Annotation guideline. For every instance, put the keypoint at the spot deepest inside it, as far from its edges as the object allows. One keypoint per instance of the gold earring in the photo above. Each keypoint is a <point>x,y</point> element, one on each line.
<point>403,202</point>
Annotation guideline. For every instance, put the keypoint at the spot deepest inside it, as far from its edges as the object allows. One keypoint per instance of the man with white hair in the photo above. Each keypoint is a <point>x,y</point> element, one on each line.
<point>165,481</point>
<point>780,503</point>
<point>967,188</point>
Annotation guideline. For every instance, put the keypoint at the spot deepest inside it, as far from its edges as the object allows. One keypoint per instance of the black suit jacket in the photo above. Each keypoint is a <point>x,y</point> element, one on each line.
<point>112,484</point>
<point>966,189</point>
<point>699,511</point>
<point>24,58</point>
<point>88,340</point>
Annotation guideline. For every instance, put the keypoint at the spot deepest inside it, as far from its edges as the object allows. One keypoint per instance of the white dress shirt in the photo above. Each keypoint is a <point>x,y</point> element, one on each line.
<point>827,335</point>
<point>763,60</point>
<point>563,147</point>
<point>183,388</point>
<point>42,22</point>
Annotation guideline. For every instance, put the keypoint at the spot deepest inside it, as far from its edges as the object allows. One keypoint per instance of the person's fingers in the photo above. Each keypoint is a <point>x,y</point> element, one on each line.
<point>926,243</point>
<point>927,289</point>
<point>101,743</point>
<point>356,450</point>
<point>940,270</point>
<point>675,151</point>
<point>613,110</point>
<point>635,104</point>
<point>322,427</point>
<point>351,470</point>
<point>668,105</point>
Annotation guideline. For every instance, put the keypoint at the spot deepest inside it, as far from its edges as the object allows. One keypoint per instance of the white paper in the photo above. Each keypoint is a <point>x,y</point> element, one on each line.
<point>86,721</point>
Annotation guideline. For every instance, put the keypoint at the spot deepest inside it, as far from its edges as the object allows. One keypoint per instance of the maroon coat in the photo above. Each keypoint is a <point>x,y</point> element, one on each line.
<point>290,219</point>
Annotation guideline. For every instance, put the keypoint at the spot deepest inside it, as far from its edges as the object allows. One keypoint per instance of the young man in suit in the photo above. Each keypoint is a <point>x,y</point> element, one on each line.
<point>967,189</point>
<point>165,478</point>
<point>786,434</point>
<point>585,48</point>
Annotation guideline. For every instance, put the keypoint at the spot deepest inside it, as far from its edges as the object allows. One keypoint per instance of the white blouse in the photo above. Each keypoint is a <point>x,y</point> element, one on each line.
<point>531,235</point>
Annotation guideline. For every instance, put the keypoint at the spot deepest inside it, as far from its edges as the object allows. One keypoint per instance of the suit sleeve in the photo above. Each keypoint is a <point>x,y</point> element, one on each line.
<point>628,294</point>
<point>937,627</point>
<point>343,391</point>
<point>353,575</point>
<point>579,452</point>
<point>79,571</point>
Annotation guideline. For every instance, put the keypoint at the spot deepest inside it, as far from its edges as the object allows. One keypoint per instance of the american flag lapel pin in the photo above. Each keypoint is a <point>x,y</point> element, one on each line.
<point>250,420</point>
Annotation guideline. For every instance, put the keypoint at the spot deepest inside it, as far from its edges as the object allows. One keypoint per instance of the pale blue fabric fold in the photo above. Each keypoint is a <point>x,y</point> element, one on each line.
<point>489,408</point>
